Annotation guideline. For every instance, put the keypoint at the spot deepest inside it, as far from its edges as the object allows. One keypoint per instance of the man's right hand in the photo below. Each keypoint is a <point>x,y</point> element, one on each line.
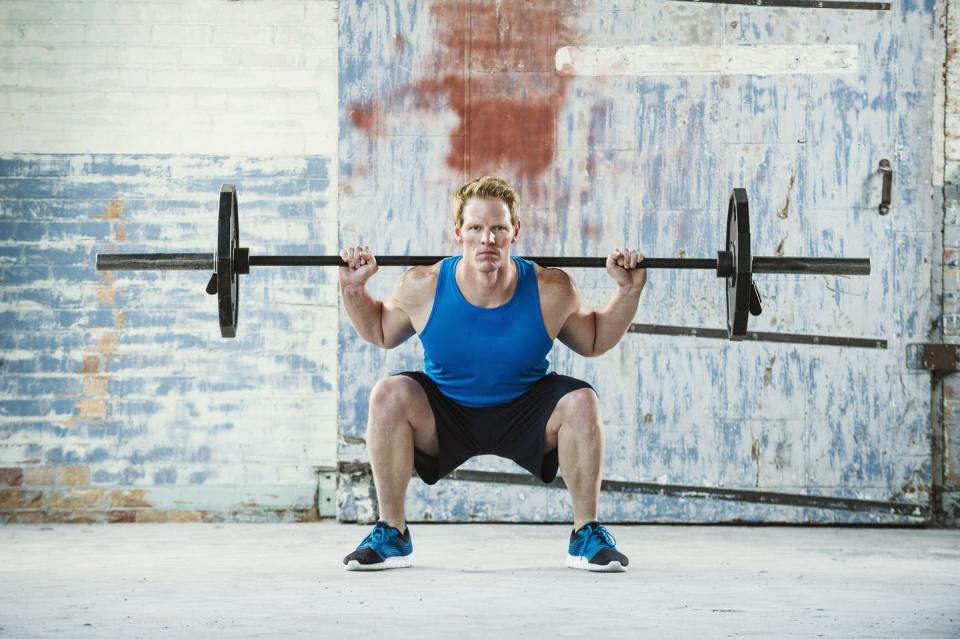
<point>361,266</point>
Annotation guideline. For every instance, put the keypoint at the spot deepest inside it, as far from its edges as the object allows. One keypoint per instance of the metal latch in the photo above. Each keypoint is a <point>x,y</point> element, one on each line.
<point>938,358</point>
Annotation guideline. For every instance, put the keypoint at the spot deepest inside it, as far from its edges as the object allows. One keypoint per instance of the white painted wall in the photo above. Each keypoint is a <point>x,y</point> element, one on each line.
<point>204,76</point>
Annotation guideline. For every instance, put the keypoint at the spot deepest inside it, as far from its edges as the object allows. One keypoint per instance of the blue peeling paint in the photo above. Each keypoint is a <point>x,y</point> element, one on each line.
<point>132,475</point>
<point>98,455</point>
<point>30,407</point>
<point>104,477</point>
<point>160,453</point>
<point>58,457</point>
<point>912,6</point>
<point>165,476</point>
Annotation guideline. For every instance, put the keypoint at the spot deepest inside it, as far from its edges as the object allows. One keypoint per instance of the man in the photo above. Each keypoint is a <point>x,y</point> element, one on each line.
<point>486,321</point>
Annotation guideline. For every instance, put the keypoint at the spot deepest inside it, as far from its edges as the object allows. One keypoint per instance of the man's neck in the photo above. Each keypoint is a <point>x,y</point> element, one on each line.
<point>492,288</point>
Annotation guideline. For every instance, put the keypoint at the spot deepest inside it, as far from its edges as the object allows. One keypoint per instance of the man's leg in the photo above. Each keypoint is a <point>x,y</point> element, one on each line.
<point>400,419</point>
<point>576,429</point>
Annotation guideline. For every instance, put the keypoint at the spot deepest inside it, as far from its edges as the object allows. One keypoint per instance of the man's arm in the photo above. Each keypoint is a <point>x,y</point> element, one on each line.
<point>384,324</point>
<point>594,332</point>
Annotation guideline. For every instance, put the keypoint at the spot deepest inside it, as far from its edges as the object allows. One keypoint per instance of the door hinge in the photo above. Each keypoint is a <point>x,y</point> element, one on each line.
<point>937,358</point>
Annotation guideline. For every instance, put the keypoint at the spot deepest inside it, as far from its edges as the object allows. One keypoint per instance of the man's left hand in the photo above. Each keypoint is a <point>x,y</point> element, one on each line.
<point>625,267</point>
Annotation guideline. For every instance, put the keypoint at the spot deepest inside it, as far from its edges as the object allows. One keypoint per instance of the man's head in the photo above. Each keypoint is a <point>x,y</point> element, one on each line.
<point>486,187</point>
<point>486,222</point>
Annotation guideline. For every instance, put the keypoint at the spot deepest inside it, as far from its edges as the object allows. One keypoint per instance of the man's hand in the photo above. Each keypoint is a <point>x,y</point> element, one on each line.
<point>623,265</point>
<point>361,266</point>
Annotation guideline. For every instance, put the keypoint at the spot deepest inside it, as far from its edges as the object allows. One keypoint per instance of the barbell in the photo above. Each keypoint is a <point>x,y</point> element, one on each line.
<point>734,263</point>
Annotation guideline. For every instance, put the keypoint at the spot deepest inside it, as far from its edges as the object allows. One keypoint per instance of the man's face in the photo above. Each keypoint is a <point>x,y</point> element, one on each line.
<point>486,233</point>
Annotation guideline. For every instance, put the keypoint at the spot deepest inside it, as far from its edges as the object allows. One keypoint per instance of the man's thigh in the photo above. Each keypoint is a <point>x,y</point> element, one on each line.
<point>551,432</point>
<point>561,412</point>
<point>419,414</point>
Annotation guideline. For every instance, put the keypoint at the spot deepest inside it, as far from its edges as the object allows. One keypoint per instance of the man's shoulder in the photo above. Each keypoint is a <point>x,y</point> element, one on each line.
<point>558,297</point>
<point>418,283</point>
<point>553,277</point>
<point>554,283</point>
<point>420,274</point>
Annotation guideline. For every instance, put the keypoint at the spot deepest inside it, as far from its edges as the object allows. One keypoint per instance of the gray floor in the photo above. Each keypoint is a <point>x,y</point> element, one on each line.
<point>196,580</point>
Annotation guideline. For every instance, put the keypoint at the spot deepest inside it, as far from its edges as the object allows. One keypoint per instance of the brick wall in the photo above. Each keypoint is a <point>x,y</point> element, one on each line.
<point>119,121</point>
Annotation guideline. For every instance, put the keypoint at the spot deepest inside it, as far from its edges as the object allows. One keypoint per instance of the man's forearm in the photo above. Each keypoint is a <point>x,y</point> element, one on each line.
<point>365,313</point>
<point>615,318</point>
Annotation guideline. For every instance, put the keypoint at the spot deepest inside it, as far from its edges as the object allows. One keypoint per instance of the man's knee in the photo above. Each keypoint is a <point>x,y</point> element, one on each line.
<point>390,397</point>
<point>581,410</point>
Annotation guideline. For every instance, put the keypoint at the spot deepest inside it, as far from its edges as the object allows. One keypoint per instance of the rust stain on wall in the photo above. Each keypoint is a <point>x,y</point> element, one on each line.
<point>105,296</point>
<point>95,385</point>
<point>133,498</point>
<point>92,409</point>
<point>91,364</point>
<point>108,342</point>
<point>92,403</point>
<point>364,116</point>
<point>495,70</point>
<point>113,211</point>
<point>11,476</point>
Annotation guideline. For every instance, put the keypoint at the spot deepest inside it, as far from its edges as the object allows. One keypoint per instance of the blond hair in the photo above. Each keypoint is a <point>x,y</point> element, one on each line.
<point>486,186</point>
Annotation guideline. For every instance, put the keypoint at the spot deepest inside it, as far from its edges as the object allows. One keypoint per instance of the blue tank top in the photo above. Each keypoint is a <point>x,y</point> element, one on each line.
<point>485,356</point>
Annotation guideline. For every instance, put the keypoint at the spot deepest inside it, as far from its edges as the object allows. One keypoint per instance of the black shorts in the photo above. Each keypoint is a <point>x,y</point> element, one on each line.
<point>514,430</point>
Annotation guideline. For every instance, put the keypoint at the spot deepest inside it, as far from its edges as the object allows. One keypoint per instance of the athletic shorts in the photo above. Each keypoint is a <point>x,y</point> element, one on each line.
<point>515,430</point>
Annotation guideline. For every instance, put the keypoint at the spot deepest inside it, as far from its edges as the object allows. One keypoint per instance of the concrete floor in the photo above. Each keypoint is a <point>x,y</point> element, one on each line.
<point>283,580</point>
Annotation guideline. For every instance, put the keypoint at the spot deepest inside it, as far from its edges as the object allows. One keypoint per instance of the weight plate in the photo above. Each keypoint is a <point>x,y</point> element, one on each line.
<point>739,282</point>
<point>228,279</point>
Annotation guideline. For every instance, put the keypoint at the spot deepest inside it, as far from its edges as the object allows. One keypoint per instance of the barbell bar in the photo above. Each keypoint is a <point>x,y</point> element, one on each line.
<point>208,261</point>
<point>735,263</point>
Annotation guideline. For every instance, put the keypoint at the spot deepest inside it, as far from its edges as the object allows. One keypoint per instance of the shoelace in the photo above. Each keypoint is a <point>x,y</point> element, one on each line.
<point>606,537</point>
<point>378,535</point>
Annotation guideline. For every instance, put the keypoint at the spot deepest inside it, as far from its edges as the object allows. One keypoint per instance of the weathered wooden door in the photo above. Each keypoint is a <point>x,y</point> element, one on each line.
<point>629,123</point>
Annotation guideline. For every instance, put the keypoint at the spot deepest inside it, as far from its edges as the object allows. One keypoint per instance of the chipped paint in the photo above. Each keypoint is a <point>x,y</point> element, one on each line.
<point>505,111</point>
<point>649,160</point>
<point>759,60</point>
<point>123,376</point>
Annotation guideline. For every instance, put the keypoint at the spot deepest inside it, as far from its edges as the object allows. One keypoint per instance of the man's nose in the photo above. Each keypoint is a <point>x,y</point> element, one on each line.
<point>487,237</point>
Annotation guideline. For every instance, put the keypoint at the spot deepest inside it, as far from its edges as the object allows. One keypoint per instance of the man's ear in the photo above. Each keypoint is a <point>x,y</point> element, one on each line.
<point>457,235</point>
<point>516,232</point>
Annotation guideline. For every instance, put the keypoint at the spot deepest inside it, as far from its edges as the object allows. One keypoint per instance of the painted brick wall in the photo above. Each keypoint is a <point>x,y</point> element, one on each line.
<point>119,122</point>
<point>951,264</point>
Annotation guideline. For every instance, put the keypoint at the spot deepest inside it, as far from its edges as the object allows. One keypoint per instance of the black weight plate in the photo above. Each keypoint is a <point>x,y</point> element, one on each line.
<point>228,279</point>
<point>739,283</point>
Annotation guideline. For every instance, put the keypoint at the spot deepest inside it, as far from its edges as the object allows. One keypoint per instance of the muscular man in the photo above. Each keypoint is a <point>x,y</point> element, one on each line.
<point>487,321</point>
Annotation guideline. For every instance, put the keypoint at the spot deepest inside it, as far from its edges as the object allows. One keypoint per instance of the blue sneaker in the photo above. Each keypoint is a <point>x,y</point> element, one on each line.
<point>385,547</point>
<point>594,548</point>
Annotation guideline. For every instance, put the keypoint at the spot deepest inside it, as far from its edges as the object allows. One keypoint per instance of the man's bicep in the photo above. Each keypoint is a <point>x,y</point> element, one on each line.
<point>579,332</point>
<point>395,323</point>
<point>395,319</point>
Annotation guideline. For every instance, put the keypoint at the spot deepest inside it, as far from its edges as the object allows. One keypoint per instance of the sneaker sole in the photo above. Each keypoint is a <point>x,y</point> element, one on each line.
<point>581,563</point>
<point>386,564</point>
